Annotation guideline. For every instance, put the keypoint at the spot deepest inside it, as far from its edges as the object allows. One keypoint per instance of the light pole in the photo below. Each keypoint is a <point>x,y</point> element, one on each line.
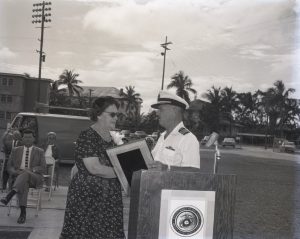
<point>165,46</point>
<point>40,16</point>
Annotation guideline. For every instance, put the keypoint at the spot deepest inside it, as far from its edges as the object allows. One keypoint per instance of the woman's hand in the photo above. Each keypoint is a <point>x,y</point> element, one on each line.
<point>94,167</point>
<point>109,174</point>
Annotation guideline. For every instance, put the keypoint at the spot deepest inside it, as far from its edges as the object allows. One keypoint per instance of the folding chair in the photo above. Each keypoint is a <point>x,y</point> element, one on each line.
<point>50,162</point>
<point>34,200</point>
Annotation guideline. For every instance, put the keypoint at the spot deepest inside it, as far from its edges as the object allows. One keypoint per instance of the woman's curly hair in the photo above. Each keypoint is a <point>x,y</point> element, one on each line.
<point>100,104</point>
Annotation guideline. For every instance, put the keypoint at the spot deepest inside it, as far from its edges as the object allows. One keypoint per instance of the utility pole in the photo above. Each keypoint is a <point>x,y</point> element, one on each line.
<point>165,46</point>
<point>90,98</point>
<point>40,17</point>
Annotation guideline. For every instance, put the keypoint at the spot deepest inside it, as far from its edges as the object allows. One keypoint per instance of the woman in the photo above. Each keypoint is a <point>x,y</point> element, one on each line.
<point>51,150</point>
<point>94,207</point>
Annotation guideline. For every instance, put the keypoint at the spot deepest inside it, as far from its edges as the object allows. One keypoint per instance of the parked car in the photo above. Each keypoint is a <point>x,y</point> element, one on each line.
<point>140,134</point>
<point>204,140</point>
<point>288,147</point>
<point>66,127</point>
<point>125,132</point>
<point>154,135</point>
<point>228,142</point>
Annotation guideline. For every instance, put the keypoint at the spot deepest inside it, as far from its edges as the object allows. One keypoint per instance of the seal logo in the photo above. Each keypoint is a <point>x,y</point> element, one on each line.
<point>187,221</point>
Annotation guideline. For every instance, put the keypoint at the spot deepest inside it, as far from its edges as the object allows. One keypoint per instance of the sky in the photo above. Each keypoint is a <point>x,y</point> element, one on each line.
<point>246,45</point>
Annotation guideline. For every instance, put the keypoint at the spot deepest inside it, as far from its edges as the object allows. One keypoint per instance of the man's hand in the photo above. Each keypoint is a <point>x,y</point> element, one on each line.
<point>156,165</point>
<point>28,171</point>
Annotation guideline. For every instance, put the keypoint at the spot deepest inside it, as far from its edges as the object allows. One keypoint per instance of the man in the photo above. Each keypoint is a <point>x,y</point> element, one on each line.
<point>10,141</point>
<point>27,165</point>
<point>177,146</point>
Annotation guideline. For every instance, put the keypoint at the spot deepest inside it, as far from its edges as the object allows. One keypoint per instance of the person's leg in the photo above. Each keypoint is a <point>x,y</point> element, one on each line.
<point>48,180</point>
<point>8,197</point>
<point>22,217</point>
<point>21,185</point>
<point>5,175</point>
<point>5,178</point>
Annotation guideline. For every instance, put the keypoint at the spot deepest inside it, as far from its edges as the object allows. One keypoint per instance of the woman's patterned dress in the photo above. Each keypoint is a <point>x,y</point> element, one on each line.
<point>94,207</point>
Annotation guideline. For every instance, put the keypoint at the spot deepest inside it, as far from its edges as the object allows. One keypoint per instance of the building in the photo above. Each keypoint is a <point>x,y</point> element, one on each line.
<point>18,93</point>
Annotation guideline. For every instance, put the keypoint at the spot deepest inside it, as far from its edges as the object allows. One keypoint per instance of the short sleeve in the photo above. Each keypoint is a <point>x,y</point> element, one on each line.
<point>190,151</point>
<point>84,148</point>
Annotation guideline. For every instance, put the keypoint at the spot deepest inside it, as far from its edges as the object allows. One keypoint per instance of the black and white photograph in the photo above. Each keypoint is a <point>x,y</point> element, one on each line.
<point>106,105</point>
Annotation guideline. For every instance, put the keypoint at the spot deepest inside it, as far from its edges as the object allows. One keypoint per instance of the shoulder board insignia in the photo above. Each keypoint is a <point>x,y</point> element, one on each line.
<point>183,131</point>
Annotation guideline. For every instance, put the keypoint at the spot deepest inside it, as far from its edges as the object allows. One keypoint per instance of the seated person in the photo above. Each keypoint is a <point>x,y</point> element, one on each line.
<point>10,141</point>
<point>51,150</point>
<point>27,165</point>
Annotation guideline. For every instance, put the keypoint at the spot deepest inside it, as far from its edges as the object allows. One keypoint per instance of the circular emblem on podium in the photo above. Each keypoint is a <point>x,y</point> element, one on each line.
<point>187,221</point>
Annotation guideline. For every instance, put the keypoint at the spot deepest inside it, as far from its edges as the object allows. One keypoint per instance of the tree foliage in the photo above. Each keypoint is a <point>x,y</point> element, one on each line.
<point>183,85</point>
<point>69,78</point>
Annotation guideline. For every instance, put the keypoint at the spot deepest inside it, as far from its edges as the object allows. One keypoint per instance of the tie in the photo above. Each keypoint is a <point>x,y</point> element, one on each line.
<point>26,158</point>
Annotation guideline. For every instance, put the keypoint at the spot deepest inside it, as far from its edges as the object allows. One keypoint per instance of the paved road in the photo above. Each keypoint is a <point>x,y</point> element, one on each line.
<point>267,193</point>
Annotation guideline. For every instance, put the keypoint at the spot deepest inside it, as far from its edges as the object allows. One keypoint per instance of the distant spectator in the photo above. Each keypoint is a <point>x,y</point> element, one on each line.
<point>10,141</point>
<point>51,150</point>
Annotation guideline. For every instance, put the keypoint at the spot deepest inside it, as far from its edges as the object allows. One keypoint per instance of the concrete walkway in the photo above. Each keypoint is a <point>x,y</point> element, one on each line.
<point>48,223</point>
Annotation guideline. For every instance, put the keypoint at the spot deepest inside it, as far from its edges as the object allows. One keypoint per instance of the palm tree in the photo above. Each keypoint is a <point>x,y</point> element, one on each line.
<point>211,112</point>
<point>55,93</point>
<point>69,78</point>
<point>278,105</point>
<point>230,104</point>
<point>183,84</point>
<point>247,112</point>
<point>132,98</point>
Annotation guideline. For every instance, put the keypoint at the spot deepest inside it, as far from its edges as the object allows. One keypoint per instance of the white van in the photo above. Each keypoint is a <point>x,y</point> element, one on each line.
<point>66,127</point>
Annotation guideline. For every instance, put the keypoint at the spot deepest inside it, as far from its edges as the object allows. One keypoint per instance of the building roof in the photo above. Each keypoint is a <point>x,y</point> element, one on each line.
<point>52,115</point>
<point>100,91</point>
<point>24,76</point>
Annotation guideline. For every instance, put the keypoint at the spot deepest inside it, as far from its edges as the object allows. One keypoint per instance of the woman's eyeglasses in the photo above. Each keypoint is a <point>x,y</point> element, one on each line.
<point>112,114</point>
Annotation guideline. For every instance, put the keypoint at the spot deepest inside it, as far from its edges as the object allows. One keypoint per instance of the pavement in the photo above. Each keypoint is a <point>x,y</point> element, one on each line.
<point>48,223</point>
<point>258,151</point>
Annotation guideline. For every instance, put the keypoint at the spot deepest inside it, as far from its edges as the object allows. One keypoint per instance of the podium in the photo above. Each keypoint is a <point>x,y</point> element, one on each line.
<point>181,204</point>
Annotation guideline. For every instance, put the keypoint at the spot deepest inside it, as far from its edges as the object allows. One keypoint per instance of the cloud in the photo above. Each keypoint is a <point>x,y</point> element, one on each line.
<point>201,24</point>
<point>66,53</point>
<point>6,53</point>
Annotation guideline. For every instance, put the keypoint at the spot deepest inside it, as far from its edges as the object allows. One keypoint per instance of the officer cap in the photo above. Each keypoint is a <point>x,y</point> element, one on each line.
<point>165,97</point>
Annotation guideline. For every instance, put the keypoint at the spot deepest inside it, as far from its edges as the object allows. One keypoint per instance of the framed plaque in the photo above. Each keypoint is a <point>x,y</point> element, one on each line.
<point>129,158</point>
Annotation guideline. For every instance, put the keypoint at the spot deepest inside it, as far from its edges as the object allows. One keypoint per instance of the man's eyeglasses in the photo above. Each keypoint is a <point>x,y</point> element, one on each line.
<point>112,114</point>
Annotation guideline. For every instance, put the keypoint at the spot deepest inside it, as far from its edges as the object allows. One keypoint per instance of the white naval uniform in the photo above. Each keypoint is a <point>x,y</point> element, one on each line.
<point>180,148</point>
